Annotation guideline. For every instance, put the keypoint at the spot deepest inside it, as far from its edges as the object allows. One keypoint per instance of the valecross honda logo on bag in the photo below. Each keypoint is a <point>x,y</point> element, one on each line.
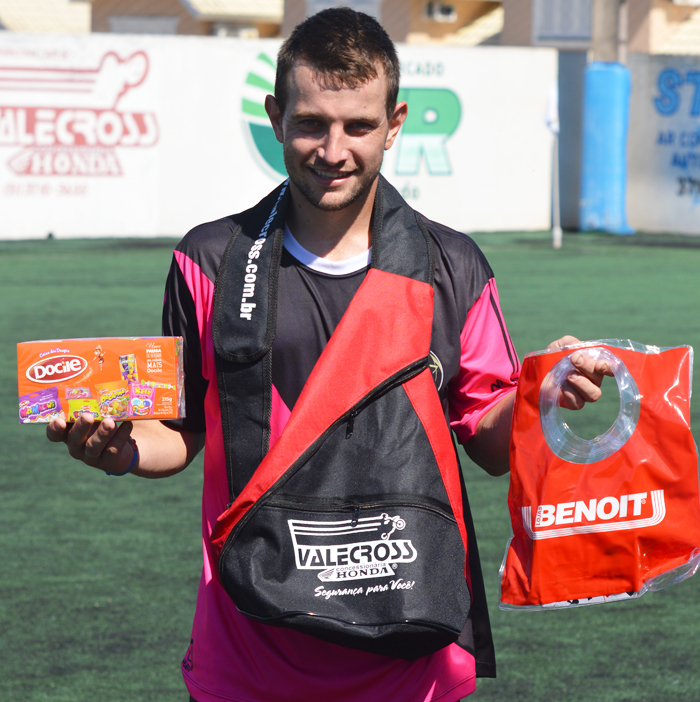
<point>338,550</point>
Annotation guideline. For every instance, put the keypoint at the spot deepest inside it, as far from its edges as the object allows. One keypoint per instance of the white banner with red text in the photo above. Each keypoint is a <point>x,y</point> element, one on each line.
<point>134,135</point>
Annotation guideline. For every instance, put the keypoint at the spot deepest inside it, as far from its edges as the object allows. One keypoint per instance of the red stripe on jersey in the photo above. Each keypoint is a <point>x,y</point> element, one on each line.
<point>202,291</point>
<point>489,366</point>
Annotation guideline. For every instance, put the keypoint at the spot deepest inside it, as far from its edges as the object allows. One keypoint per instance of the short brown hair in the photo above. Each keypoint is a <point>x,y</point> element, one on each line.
<point>343,47</point>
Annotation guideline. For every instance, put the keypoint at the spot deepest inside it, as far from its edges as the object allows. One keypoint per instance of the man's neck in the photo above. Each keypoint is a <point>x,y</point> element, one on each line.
<point>334,235</point>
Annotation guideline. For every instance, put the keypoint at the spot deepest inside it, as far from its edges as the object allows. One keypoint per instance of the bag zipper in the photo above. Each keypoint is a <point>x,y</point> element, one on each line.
<point>354,508</point>
<point>351,423</point>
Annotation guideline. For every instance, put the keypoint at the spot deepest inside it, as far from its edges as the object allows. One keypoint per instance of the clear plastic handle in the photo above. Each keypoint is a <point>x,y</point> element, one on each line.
<point>559,437</point>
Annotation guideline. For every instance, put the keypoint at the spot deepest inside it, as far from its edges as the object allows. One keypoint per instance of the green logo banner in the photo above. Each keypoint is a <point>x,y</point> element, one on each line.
<point>260,82</point>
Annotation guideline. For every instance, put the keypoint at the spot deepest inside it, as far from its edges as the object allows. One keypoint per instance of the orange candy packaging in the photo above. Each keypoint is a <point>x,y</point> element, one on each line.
<point>609,518</point>
<point>122,378</point>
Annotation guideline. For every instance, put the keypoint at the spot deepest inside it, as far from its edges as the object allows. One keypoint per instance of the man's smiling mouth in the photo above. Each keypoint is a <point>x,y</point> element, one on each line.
<point>332,175</point>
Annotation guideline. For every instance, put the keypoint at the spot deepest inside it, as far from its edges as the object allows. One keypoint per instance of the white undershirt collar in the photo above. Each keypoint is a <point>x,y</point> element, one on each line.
<point>323,265</point>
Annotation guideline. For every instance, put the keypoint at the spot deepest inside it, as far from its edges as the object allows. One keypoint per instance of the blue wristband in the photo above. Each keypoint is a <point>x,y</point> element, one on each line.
<point>133,463</point>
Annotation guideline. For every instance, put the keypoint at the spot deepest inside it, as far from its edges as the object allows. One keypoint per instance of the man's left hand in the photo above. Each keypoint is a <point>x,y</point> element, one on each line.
<point>583,385</point>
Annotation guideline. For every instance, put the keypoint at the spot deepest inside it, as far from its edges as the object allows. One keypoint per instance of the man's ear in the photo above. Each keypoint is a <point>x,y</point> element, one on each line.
<point>273,112</point>
<point>398,117</point>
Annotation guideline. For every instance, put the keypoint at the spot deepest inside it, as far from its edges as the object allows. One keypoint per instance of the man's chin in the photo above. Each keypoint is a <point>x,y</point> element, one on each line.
<point>335,204</point>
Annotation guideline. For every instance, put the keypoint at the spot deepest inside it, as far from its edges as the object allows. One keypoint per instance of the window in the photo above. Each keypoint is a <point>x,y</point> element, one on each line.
<point>223,29</point>
<point>562,23</point>
<point>440,12</point>
<point>369,7</point>
<point>143,24</point>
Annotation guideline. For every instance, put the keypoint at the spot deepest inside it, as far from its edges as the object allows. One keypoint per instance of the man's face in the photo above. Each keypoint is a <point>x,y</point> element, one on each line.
<point>334,138</point>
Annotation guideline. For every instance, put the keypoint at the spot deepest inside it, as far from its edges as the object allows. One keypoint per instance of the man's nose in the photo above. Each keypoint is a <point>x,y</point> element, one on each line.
<point>334,147</point>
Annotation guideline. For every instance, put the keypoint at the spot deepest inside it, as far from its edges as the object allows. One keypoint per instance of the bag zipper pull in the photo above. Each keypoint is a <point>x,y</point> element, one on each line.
<point>351,424</point>
<point>355,517</point>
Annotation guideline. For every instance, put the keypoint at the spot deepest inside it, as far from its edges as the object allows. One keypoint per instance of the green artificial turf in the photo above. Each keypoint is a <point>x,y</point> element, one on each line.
<point>99,575</point>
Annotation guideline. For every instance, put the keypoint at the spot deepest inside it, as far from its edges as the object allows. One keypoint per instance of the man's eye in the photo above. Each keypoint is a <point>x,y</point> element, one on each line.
<point>359,127</point>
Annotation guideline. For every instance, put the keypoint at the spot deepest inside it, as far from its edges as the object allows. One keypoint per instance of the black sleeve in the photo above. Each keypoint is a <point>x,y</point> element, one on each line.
<point>180,319</point>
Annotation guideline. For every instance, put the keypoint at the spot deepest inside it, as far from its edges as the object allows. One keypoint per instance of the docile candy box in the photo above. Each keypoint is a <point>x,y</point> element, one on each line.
<point>118,377</point>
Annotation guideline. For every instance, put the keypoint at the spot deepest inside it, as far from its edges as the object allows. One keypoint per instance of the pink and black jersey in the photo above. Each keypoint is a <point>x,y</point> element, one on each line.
<point>474,365</point>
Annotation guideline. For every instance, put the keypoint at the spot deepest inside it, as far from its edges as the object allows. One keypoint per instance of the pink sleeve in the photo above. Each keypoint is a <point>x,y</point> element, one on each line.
<point>489,366</point>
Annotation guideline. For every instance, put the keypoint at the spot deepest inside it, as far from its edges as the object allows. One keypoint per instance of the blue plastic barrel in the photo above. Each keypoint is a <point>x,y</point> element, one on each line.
<point>607,88</point>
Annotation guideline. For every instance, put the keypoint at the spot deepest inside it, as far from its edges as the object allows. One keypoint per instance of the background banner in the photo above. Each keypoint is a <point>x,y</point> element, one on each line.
<point>133,135</point>
<point>663,192</point>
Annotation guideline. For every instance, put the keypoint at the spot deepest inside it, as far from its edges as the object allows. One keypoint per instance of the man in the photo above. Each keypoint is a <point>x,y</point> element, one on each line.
<point>335,112</point>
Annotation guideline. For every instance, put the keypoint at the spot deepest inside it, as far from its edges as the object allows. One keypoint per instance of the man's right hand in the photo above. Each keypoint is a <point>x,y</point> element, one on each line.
<point>162,450</point>
<point>100,444</point>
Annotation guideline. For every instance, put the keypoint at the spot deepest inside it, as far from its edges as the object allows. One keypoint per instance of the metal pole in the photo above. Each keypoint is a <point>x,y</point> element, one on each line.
<point>606,17</point>
<point>623,35</point>
<point>556,217</point>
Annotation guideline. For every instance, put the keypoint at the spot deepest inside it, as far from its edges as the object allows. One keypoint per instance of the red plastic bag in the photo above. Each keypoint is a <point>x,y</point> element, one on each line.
<point>610,518</point>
